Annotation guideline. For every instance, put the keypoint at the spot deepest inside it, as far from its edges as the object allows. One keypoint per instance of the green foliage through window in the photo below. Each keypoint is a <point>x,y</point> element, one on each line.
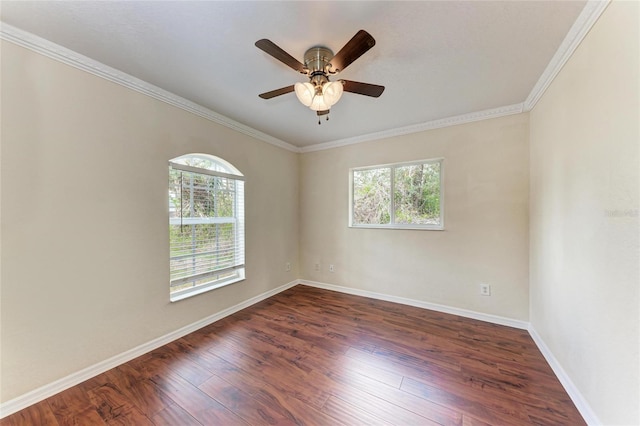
<point>206,224</point>
<point>400,195</point>
<point>371,196</point>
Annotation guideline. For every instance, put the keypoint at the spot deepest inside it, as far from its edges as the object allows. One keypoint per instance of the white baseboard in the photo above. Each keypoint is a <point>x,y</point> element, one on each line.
<point>44,392</point>
<point>53,388</point>
<point>578,400</point>
<point>495,319</point>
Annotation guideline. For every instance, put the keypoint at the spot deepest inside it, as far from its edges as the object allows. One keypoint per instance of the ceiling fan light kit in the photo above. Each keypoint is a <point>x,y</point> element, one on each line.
<point>319,94</point>
<point>319,97</point>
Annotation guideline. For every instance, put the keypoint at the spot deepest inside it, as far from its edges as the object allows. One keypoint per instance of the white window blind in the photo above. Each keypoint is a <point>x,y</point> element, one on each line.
<point>206,228</point>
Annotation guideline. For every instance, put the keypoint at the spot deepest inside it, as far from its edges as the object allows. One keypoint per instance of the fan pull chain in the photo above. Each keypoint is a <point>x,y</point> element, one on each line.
<point>319,122</point>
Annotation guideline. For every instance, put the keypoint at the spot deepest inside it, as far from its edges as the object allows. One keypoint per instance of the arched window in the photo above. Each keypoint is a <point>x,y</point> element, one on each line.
<point>206,224</point>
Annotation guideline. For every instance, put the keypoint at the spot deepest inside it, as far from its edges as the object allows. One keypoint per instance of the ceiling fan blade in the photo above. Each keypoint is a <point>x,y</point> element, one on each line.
<point>274,50</point>
<point>356,47</point>
<point>277,92</point>
<point>366,89</point>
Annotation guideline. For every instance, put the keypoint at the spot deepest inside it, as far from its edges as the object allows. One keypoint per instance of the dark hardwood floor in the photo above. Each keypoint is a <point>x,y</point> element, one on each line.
<point>310,356</point>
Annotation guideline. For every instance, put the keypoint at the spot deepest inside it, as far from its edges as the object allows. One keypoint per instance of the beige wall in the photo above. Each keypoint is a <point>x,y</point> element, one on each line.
<point>584,216</point>
<point>85,267</point>
<point>486,220</point>
<point>84,260</point>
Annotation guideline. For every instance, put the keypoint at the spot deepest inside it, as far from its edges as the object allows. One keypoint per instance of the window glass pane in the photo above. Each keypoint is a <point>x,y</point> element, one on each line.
<point>372,196</point>
<point>202,163</point>
<point>225,197</point>
<point>198,250</point>
<point>417,194</point>
<point>206,227</point>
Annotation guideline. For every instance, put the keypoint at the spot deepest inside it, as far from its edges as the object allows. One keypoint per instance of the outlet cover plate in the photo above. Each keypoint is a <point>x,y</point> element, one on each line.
<point>485,289</point>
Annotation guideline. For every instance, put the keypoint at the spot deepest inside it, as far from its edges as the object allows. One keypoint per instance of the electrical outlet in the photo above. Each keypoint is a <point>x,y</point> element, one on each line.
<point>317,267</point>
<point>332,268</point>
<point>287,267</point>
<point>485,289</point>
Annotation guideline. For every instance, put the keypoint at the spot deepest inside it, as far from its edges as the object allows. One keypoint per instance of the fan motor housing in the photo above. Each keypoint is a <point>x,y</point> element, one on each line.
<point>317,59</point>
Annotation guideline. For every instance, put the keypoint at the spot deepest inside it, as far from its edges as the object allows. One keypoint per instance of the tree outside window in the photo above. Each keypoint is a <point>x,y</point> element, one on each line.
<point>404,195</point>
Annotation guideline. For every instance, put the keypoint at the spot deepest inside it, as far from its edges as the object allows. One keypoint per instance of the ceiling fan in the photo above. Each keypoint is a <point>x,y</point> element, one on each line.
<point>319,94</point>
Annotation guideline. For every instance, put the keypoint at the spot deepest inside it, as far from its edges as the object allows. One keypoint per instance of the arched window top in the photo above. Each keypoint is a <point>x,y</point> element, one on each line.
<point>206,225</point>
<point>207,162</point>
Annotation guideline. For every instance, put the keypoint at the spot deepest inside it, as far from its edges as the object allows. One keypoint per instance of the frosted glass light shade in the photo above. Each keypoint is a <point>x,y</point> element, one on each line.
<point>319,104</point>
<point>332,91</point>
<point>305,93</point>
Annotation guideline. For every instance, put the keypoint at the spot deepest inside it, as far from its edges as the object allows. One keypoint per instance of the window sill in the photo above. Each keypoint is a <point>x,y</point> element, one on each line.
<point>407,227</point>
<point>185,294</point>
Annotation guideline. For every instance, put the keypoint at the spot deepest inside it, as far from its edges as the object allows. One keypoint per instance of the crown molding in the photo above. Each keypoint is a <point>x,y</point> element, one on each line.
<point>587,18</point>
<point>589,15</point>
<point>67,56</point>
<point>76,60</point>
<point>420,127</point>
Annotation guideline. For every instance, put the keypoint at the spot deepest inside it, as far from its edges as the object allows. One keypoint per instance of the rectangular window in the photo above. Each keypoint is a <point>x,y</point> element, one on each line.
<point>402,195</point>
<point>206,230</point>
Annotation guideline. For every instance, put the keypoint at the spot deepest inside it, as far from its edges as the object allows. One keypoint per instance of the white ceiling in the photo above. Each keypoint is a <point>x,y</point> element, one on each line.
<point>436,59</point>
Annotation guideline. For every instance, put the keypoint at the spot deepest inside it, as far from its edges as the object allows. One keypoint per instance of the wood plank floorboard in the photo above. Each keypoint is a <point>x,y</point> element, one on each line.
<point>314,357</point>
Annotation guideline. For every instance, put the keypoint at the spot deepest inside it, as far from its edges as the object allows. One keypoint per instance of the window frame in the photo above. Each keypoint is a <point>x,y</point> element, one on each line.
<point>392,224</point>
<point>230,173</point>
